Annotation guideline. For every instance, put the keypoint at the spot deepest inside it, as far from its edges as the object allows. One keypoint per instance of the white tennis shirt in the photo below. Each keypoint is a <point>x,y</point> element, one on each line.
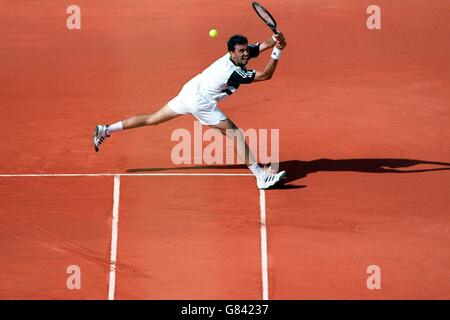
<point>220,79</point>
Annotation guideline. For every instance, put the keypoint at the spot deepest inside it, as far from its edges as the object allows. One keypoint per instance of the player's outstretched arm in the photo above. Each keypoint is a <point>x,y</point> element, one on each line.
<point>272,64</point>
<point>268,71</point>
<point>270,42</point>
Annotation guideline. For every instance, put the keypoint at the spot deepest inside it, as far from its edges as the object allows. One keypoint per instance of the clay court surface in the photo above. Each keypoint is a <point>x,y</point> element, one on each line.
<point>364,124</point>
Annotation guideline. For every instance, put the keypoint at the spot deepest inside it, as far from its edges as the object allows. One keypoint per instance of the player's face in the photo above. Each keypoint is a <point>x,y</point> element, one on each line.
<point>240,54</point>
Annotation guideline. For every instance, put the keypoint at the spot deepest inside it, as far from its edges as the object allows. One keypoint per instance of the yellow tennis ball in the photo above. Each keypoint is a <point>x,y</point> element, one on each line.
<point>213,33</point>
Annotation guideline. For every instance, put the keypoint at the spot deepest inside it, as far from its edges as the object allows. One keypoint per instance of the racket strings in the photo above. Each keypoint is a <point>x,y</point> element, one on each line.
<point>265,15</point>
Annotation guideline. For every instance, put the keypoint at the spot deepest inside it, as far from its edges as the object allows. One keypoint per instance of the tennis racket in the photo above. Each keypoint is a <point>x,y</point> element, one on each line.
<point>265,16</point>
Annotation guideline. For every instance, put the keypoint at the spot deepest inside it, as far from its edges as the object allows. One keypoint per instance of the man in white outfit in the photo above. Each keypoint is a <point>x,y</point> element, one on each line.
<point>200,95</point>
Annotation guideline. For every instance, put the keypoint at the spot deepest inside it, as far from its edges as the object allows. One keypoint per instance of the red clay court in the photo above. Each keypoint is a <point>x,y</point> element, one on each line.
<point>364,125</point>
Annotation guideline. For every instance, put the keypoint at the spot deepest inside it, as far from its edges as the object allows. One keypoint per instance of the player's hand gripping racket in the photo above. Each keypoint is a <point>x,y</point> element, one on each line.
<point>265,16</point>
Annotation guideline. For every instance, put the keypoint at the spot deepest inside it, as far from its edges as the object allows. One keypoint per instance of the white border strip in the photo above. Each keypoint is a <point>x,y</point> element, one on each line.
<point>114,235</point>
<point>264,267</point>
<point>115,220</point>
<point>120,174</point>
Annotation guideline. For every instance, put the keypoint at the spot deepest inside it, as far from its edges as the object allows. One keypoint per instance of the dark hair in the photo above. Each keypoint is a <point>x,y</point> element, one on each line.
<point>236,39</point>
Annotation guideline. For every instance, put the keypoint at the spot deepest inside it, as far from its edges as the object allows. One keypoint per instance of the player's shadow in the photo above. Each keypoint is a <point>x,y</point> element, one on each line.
<point>297,169</point>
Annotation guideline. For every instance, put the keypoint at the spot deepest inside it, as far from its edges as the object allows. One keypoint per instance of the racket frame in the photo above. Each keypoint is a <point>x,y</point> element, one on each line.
<point>272,27</point>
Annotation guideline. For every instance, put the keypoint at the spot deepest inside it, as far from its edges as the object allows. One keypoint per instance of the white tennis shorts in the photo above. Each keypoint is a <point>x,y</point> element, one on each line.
<point>190,101</point>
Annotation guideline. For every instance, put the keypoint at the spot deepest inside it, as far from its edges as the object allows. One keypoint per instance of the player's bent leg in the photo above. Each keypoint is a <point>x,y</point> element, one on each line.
<point>264,178</point>
<point>230,130</point>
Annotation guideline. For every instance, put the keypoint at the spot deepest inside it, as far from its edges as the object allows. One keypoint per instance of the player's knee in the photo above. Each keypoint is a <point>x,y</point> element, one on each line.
<point>151,120</point>
<point>233,133</point>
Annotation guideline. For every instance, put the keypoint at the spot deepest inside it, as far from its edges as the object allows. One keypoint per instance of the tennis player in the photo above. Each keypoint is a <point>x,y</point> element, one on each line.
<point>200,95</point>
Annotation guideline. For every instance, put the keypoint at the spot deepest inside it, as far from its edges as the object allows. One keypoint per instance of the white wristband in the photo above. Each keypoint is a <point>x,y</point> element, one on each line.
<point>276,54</point>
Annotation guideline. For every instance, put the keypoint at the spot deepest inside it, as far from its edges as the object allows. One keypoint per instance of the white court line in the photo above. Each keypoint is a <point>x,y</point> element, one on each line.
<point>114,235</point>
<point>115,220</point>
<point>264,267</point>
<point>6,175</point>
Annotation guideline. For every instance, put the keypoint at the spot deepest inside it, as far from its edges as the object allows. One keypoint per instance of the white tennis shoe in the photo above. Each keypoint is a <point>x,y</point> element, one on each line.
<point>267,180</point>
<point>101,132</point>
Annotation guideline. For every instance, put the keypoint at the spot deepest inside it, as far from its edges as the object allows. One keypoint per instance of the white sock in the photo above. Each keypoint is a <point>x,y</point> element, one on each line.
<point>115,127</point>
<point>256,169</point>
